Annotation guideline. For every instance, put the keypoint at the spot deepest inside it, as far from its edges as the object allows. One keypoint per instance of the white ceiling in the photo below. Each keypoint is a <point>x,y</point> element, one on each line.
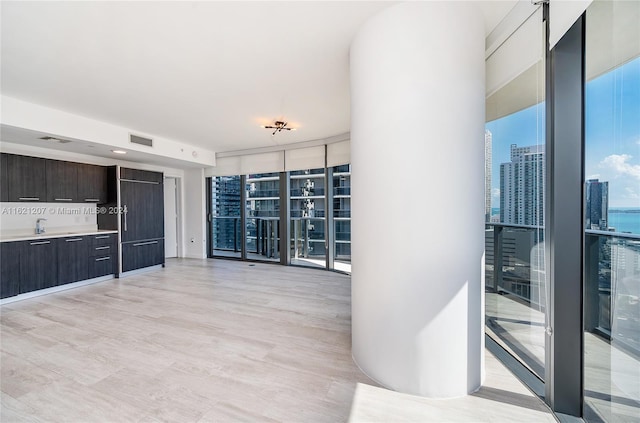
<point>204,73</point>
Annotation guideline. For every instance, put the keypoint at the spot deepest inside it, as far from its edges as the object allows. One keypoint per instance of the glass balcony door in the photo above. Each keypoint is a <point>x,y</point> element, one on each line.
<point>342,217</point>
<point>225,227</point>
<point>308,218</point>
<point>262,211</point>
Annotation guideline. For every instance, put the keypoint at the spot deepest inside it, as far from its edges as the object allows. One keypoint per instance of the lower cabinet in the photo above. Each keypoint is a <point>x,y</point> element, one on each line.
<point>27,266</point>
<point>72,259</point>
<point>9,269</point>
<point>38,265</point>
<point>140,254</point>
<point>102,259</point>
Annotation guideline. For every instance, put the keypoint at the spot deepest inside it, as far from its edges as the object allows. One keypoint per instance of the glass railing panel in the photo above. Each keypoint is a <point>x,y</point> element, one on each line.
<point>342,249</point>
<point>262,238</point>
<point>308,242</point>
<point>227,236</point>
<point>515,291</point>
<point>612,326</point>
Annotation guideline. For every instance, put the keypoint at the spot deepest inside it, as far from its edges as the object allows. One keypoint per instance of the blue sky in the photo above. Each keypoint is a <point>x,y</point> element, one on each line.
<point>612,134</point>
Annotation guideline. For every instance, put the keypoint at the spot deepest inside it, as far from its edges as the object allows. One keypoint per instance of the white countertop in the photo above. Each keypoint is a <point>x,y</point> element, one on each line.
<point>48,235</point>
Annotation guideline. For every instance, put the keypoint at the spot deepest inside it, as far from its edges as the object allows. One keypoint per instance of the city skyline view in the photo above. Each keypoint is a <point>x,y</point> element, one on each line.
<point>612,135</point>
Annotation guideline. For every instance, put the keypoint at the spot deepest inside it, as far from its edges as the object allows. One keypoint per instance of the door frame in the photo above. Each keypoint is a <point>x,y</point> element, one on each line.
<point>179,208</point>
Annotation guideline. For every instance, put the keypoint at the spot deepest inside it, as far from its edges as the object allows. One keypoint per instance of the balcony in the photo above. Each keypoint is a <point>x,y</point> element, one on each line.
<point>516,298</point>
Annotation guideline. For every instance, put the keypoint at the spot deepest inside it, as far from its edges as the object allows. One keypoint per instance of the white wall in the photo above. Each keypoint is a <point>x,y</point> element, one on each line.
<point>35,117</point>
<point>48,153</point>
<point>417,144</point>
<point>20,218</point>
<point>61,222</point>
<point>194,215</point>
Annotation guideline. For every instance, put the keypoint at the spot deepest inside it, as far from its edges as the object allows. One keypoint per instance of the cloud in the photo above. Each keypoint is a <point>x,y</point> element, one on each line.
<point>619,163</point>
<point>594,176</point>
<point>631,194</point>
<point>495,193</point>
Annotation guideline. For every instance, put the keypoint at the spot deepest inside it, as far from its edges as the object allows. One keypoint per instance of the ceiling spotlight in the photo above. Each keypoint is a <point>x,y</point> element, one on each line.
<point>119,151</point>
<point>278,126</point>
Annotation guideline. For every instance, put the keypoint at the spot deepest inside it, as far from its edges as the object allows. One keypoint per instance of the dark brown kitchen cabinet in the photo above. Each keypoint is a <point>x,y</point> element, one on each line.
<point>143,210</point>
<point>141,175</point>
<point>72,259</point>
<point>38,265</point>
<point>92,183</point>
<point>26,178</point>
<point>102,256</point>
<point>62,181</point>
<point>142,221</point>
<point>4,193</point>
<point>140,254</point>
<point>9,269</point>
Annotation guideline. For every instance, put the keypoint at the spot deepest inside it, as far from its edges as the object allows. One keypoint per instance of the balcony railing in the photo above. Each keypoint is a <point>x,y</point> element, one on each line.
<point>515,270</point>
<point>307,238</point>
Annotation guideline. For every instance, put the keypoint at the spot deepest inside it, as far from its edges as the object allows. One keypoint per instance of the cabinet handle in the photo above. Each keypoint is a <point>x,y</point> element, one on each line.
<point>125,218</point>
<point>62,199</point>
<point>103,248</point>
<point>103,237</point>
<point>139,244</point>
<point>73,239</point>
<point>92,199</point>
<point>103,258</point>
<point>140,181</point>
<point>40,243</point>
<point>29,198</point>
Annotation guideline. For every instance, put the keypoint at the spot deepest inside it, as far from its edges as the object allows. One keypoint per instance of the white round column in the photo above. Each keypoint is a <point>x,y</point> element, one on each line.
<point>417,153</point>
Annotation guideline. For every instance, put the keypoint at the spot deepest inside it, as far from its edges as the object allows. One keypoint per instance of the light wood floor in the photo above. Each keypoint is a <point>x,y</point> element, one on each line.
<point>199,341</point>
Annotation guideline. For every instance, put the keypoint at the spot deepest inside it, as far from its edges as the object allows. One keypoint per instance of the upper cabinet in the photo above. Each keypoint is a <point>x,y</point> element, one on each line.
<point>62,181</point>
<point>141,175</point>
<point>4,193</point>
<point>92,184</point>
<point>26,178</point>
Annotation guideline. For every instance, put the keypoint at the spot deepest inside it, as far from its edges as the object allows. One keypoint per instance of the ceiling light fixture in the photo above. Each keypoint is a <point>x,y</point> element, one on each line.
<point>279,126</point>
<point>119,151</point>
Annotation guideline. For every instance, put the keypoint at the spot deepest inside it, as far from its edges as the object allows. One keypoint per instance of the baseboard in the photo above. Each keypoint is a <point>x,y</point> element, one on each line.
<point>54,289</point>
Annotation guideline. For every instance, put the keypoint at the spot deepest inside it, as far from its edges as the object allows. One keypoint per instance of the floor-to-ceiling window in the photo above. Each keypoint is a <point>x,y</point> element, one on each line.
<point>342,217</point>
<point>226,230</point>
<point>612,213</point>
<point>262,208</point>
<point>317,216</point>
<point>515,300</point>
<point>308,217</point>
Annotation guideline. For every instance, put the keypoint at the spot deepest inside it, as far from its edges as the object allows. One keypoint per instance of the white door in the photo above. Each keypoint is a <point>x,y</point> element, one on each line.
<point>170,218</point>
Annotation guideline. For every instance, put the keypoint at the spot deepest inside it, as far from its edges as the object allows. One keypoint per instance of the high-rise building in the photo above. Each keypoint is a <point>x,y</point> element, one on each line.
<point>487,175</point>
<point>597,205</point>
<point>226,199</point>
<point>522,186</point>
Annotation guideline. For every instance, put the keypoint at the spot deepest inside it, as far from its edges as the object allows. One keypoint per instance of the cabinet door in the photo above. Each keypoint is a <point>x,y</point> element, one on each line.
<point>141,175</point>
<point>102,266</point>
<point>143,210</point>
<point>138,255</point>
<point>62,181</point>
<point>92,183</point>
<point>4,186</point>
<point>73,254</point>
<point>26,178</point>
<point>9,269</point>
<point>38,265</point>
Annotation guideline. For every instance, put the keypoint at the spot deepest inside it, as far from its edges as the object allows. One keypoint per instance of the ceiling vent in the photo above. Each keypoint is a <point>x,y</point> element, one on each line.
<point>141,140</point>
<point>54,139</point>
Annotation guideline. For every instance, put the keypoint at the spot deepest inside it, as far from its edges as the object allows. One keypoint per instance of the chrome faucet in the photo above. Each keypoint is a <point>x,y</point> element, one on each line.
<point>39,227</point>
